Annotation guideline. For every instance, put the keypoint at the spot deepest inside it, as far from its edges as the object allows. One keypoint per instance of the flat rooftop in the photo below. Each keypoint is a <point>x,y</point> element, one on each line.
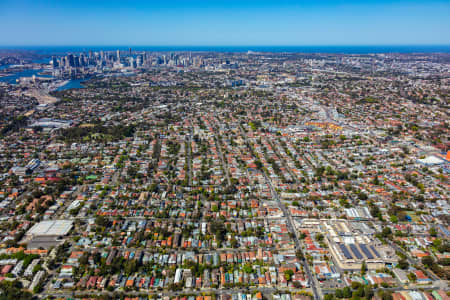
<point>51,228</point>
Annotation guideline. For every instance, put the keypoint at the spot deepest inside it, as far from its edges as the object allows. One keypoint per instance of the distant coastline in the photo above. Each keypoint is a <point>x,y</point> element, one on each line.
<point>356,49</point>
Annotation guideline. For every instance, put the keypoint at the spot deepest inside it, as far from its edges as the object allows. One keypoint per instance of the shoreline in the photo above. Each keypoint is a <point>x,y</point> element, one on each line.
<point>57,84</point>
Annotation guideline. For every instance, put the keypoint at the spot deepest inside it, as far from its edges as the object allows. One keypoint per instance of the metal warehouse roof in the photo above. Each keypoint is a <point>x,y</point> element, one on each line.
<point>55,227</point>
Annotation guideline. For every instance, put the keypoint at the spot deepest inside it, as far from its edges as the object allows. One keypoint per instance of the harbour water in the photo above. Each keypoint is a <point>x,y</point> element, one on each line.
<point>72,84</point>
<point>12,78</point>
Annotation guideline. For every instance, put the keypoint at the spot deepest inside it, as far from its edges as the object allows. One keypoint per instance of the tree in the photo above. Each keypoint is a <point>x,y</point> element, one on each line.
<point>444,261</point>
<point>403,264</point>
<point>355,285</point>
<point>368,292</point>
<point>347,292</point>
<point>386,232</point>
<point>376,181</point>
<point>319,237</point>
<point>299,254</point>
<point>359,292</point>
<point>13,290</point>
<point>444,247</point>
<point>412,277</point>
<point>433,232</point>
<point>84,259</point>
<point>248,268</point>
<point>427,261</point>
<point>130,267</point>
<point>101,221</point>
<point>362,196</point>
<point>288,274</point>
<point>394,219</point>
<point>234,243</point>
<point>375,211</point>
<point>218,228</point>
<point>38,288</point>
<point>37,268</point>
<point>363,268</point>
<point>385,295</point>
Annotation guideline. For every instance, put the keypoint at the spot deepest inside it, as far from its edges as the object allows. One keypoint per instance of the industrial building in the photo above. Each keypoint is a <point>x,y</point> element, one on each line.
<point>51,228</point>
<point>358,213</point>
<point>48,233</point>
<point>350,247</point>
<point>52,123</point>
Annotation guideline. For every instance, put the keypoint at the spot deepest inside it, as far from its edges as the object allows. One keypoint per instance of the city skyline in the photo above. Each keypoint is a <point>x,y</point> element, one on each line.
<point>231,23</point>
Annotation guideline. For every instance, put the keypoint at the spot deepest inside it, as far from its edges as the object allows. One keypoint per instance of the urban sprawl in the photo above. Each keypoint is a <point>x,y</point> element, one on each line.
<point>225,176</point>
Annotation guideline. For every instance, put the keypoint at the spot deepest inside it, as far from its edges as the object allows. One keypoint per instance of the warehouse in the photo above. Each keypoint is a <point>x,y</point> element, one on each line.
<point>47,234</point>
<point>51,228</point>
<point>350,247</point>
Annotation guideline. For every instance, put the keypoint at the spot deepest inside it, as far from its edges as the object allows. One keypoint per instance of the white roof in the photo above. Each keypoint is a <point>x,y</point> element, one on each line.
<point>51,227</point>
<point>431,160</point>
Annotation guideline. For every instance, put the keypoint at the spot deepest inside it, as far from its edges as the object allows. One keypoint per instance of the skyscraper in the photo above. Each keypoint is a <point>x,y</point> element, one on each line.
<point>71,60</point>
<point>118,55</point>
<point>55,62</point>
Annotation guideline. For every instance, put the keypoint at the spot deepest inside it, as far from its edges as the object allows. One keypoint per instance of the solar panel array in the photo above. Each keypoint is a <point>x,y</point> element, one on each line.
<point>355,251</point>
<point>345,251</point>
<point>366,251</point>
<point>351,251</point>
<point>374,251</point>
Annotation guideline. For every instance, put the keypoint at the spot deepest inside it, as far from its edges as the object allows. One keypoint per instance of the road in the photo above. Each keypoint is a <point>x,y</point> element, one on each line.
<point>312,281</point>
<point>287,214</point>
<point>283,161</point>
<point>189,153</point>
<point>219,150</point>
<point>397,289</point>
<point>67,294</point>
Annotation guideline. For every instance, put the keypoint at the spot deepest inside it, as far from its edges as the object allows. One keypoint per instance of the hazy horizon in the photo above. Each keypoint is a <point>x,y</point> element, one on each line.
<point>219,23</point>
<point>222,45</point>
<point>307,49</point>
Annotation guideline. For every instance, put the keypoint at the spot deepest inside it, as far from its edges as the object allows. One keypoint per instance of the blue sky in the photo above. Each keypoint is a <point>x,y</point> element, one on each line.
<point>245,22</point>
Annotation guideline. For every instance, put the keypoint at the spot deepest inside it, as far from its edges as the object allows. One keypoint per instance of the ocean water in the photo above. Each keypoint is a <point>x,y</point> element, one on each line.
<point>48,50</point>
